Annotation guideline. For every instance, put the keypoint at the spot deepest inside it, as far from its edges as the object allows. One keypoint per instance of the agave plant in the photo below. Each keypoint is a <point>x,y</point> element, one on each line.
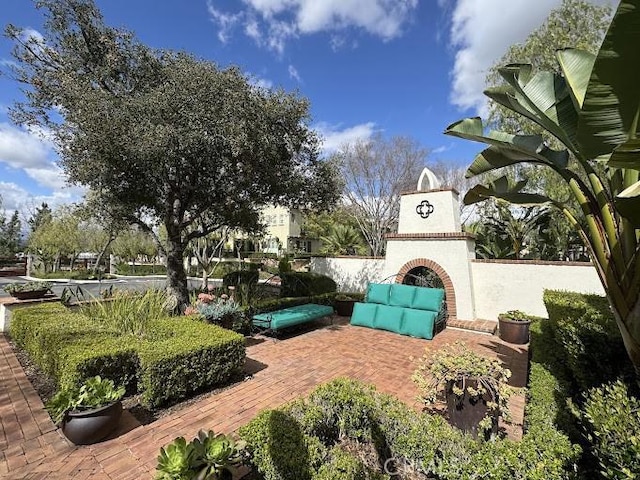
<point>177,461</point>
<point>592,109</point>
<point>206,457</point>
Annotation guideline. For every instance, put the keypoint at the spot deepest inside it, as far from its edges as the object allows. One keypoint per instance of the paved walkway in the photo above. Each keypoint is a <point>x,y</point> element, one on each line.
<point>32,448</point>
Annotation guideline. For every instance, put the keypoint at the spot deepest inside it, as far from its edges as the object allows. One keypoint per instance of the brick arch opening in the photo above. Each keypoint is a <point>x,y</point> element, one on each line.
<point>449,291</point>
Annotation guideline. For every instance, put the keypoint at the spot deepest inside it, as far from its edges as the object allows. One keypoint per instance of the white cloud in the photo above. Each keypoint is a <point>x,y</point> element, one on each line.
<point>15,197</point>
<point>335,137</point>
<point>282,20</point>
<point>31,151</point>
<point>293,73</point>
<point>260,82</point>
<point>225,21</point>
<point>481,36</point>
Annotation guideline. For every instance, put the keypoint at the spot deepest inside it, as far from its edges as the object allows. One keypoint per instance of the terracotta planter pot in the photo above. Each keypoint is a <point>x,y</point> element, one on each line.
<point>30,295</point>
<point>513,331</point>
<point>344,308</point>
<point>85,427</point>
<point>466,412</point>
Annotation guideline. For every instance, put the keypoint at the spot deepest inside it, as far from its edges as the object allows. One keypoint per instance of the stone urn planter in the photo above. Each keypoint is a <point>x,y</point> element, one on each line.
<point>344,305</point>
<point>467,411</point>
<point>474,387</point>
<point>85,427</point>
<point>29,290</point>
<point>31,295</point>
<point>513,327</point>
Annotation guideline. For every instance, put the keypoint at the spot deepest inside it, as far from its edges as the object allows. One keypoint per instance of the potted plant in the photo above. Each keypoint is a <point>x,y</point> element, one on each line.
<point>344,305</point>
<point>28,290</point>
<point>90,413</point>
<point>474,387</point>
<point>514,326</point>
<point>206,457</point>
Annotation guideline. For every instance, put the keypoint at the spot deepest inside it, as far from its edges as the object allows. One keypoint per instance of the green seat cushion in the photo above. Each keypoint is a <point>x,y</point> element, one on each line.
<point>378,293</point>
<point>290,316</point>
<point>428,299</point>
<point>418,323</point>
<point>364,314</point>
<point>389,318</point>
<point>402,295</point>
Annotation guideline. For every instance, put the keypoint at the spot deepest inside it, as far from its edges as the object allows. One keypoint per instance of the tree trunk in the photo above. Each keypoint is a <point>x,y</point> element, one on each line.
<point>101,254</point>
<point>176,276</point>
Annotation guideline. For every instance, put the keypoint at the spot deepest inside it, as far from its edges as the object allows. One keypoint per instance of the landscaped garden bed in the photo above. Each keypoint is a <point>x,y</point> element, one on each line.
<point>172,359</point>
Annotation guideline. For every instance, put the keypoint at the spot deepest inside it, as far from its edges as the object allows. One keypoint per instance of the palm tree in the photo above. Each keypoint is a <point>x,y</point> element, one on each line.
<point>592,109</point>
<point>342,240</point>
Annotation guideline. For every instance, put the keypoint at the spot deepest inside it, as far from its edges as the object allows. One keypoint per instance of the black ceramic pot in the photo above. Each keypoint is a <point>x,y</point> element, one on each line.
<point>344,308</point>
<point>84,427</point>
<point>466,412</point>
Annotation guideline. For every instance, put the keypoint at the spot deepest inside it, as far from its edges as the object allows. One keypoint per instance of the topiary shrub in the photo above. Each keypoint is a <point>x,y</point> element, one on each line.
<point>304,284</point>
<point>346,418</point>
<point>611,419</point>
<point>177,357</point>
<point>587,335</point>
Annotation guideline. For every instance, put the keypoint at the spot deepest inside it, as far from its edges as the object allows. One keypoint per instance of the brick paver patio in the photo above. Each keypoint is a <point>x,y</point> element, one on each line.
<point>32,448</point>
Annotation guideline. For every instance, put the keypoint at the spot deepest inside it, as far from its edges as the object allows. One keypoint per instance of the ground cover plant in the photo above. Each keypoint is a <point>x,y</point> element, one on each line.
<point>346,426</point>
<point>174,358</point>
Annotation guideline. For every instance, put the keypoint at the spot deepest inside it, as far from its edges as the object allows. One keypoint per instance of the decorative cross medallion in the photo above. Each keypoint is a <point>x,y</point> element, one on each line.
<point>424,209</point>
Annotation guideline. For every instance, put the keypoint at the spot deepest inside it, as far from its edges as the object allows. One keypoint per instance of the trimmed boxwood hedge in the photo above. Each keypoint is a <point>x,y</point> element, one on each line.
<point>587,338</point>
<point>179,355</point>
<point>304,284</point>
<point>293,441</point>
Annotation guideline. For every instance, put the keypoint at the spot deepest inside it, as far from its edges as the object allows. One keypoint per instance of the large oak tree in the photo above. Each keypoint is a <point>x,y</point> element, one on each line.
<point>162,137</point>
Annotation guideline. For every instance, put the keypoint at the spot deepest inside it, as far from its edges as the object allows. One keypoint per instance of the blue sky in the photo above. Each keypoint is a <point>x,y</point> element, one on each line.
<point>400,67</point>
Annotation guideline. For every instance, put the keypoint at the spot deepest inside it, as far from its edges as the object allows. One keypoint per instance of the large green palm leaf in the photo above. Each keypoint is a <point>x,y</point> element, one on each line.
<point>593,108</point>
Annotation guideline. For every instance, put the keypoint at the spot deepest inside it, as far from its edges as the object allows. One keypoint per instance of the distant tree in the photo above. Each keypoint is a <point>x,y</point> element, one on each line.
<point>42,214</point>
<point>453,176</point>
<point>9,233</point>
<point>575,23</point>
<point>317,224</point>
<point>163,138</point>
<point>342,240</point>
<point>133,243</point>
<point>376,172</point>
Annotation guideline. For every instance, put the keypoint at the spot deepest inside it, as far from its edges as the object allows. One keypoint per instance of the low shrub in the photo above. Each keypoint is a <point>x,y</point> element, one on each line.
<point>587,336</point>
<point>223,268</point>
<point>290,443</point>
<point>140,270</point>
<point>177,357</point>
<point>240,277</point>
<point>611,419</point>
<point>74,275</point>
<point>304,284</point>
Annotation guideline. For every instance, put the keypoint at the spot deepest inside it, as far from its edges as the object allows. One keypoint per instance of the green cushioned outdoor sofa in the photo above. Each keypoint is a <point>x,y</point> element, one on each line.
<point>290,316</point>
<point>405,309</point>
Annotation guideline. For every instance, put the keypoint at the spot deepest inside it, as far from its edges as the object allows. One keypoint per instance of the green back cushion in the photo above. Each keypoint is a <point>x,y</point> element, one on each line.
<point>378,293</point>
<point>402,295</point>
<point>389,318</point>
<point>418,323</point>
<point>364,314</point>
<point>428,299</point>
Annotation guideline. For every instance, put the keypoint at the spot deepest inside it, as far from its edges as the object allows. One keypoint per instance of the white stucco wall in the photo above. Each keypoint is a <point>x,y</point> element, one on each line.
<point>352,274</point>
<point>444,218</point>
<point>452,255</point>
<point>502,286</point>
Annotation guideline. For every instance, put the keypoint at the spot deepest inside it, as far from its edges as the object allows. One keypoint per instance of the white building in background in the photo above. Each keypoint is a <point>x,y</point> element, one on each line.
<point>430,237</point>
